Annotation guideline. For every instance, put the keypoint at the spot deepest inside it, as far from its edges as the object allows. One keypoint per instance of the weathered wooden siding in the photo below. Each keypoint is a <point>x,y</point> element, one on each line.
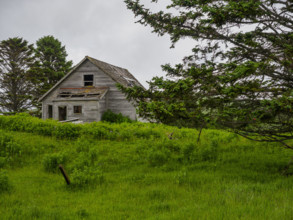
<point>90,110</point>
<point>103,106</point>
<point>49,101</point>
<point>113,100</point>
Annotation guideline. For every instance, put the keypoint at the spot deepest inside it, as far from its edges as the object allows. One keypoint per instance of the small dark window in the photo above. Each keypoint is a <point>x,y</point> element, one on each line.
<point>88,77</point>
<point>77,109</point>
<point>88,80</point>
<point>50,111</point>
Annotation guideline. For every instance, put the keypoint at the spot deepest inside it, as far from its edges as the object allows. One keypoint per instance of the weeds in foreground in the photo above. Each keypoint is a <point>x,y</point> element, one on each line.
<point>5,184</point>
<point>134,171</point>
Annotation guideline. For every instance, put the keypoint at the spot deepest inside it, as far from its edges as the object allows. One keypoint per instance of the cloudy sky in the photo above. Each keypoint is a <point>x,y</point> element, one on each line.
<point>103,29</point>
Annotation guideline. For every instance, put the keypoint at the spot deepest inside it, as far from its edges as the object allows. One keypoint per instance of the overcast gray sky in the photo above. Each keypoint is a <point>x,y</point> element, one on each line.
<point>103,29</point>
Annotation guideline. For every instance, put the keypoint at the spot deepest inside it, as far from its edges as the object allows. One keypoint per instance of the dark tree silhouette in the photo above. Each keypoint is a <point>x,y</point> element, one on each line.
<point>16,60</point>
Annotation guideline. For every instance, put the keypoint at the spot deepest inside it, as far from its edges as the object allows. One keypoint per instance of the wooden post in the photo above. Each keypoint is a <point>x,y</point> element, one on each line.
<point>64,174</point>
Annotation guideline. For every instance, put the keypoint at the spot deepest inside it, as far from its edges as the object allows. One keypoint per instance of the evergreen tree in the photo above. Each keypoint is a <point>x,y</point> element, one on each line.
<point>51,64</point>
<point>239,76</point>
<point>16,59</point>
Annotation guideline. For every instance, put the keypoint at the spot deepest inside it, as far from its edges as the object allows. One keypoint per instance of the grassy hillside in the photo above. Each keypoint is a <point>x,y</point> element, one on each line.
<point>134,171</point>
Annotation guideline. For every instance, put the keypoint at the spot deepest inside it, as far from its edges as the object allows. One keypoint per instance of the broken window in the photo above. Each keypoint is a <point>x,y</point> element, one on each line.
<point>77,109</point>
<point>88,80</point>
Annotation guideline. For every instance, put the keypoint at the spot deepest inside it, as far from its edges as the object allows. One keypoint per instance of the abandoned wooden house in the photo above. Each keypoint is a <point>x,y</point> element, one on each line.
<point>87,91</point>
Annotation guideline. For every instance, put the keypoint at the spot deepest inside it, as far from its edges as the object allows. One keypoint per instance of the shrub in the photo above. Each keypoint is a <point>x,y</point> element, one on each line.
<point>86,176</point>
<point>161,152</point>
<point>51,162</point>
<point>99,130</point>
<point>157,157</point>
<point>83,145</point>
<point>4,181</point>
<point>84,170</point>
<point>2,162</point>
<point>106,130</point>
<point>67,130</point>
<point>112,117</point>
<point>9,149</point>
<point>188,152</point>
<point>4,140</point>
<point>209,151</point>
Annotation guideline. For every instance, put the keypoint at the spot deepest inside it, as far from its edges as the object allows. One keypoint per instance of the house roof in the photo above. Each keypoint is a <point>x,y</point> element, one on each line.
<point>118,74</point>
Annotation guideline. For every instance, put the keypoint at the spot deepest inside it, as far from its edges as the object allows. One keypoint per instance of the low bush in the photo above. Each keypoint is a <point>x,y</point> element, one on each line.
<point>67,130</point>
<point>100,130</point>
<point>25,122</point>
<point>84,169</point>
<point>97,130</point>
<point>9,148</point>
<point>158,153</point>
<point>2,162</point>
<point>209,151</point>
<point>52,161</point>
<point>4,181</point>
<point>112,117</point>
<point>86,177</point>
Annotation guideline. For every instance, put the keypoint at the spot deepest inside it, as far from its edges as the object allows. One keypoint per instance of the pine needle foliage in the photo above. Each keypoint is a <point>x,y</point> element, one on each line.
<point>239,76</point>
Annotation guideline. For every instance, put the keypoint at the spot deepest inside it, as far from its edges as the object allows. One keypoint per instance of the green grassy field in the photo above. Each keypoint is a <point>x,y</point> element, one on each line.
<point>134,171</point>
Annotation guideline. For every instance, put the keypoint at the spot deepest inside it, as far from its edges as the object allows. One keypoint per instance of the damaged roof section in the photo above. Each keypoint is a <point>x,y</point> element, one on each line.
<point>118,74</point>
<point>86,93</point>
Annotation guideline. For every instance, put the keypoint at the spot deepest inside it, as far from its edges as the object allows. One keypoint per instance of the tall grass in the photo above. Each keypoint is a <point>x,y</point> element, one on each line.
<point>134,171</point>
<point>97,130</point>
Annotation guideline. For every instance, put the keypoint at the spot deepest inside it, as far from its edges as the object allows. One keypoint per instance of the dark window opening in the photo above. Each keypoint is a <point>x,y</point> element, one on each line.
<point>88,77</point>
<point>77,109</point>
<point>77,95</point>
<point>88,83</point>
<point>93,94</point>
<point>88,80</point>
<point>50,111</point>
<point>64,94</point>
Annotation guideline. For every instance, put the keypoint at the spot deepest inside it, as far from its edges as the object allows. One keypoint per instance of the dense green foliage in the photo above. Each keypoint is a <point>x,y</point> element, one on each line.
<point>51,64</point>
<point>239,76</point>
<point>144,175</point>
<point>16,59</point>
<point>112,117</point>
<point>4,182</point>
<point>96,130</point>
<point>26,73</point>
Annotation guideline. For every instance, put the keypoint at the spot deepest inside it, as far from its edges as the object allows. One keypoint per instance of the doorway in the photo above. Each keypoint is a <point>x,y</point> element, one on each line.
<point>50,111</point>
<point>62,113</point>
